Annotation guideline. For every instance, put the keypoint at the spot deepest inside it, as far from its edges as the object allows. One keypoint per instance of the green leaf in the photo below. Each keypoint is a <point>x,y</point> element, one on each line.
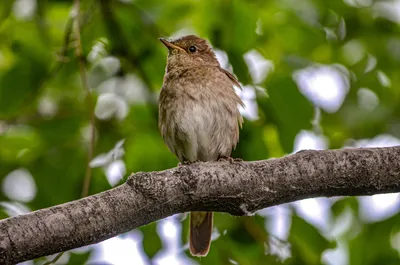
<point>21,143</point>
<point>307,242</point>
<point>19,85</point>
<point>251,145</point>
<point>151,240</point>
<point>5,9</point>
<point>18,88</point>
<point>241,240</point>
<point>372,246</point>
<point>287,108</point>
<point>341,205</point>
<point>79,258</point>
<point>3,213</point>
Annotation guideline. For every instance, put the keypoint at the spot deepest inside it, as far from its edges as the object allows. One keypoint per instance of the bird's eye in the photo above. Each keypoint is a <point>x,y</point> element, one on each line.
<point>192,48</point>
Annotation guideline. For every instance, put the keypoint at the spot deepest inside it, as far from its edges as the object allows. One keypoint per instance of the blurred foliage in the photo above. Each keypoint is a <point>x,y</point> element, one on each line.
<point>44,118</point>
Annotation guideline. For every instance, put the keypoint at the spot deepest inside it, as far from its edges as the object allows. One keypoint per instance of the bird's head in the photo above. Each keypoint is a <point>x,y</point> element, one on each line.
<point>188,52</point>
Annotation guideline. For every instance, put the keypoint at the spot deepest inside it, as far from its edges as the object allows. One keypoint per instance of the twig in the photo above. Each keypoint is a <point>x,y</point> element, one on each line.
<point>85,84</point>
<point>74,25</point>
<point>42,23</point>
<point>56,258</point>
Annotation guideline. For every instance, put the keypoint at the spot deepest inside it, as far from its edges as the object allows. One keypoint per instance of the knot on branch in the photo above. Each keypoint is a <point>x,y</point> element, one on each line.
<point>144,183</point>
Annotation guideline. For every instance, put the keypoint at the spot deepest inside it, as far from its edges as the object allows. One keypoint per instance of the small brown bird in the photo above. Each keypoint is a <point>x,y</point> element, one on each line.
<point>199,117</point>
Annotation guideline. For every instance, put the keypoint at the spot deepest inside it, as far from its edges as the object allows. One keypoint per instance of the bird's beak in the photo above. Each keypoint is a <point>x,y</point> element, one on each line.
<point>170,45</point>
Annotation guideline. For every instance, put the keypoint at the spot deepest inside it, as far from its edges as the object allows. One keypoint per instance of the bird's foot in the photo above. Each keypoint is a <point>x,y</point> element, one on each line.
<point>186,163</point>
<point>229,159</point>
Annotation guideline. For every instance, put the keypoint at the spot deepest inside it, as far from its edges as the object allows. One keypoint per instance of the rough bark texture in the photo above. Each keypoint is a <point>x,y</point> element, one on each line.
<point>238,188</point>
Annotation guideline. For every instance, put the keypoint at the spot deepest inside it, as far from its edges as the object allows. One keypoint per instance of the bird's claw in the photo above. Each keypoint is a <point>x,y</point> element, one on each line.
<point>229,159</point>
<point>186,163</point>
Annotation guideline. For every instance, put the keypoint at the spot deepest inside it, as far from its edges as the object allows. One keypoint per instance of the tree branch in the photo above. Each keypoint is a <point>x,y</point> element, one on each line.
<point>238,188</point>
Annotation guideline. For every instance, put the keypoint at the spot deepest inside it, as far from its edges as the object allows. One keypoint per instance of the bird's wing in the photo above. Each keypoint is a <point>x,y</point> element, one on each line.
<point>231,77</point>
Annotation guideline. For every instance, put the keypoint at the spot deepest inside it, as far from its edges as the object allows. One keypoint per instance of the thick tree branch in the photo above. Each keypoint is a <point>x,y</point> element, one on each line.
<point>239,188</point>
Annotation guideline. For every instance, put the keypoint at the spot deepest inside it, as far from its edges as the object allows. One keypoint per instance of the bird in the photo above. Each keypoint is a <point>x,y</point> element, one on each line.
<point>199,116</point>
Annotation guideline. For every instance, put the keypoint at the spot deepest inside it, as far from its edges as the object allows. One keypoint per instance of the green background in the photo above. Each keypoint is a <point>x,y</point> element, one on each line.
<point>44,116</point>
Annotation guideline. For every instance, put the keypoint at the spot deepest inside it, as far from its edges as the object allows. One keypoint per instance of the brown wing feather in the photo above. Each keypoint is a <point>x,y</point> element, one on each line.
<point>231,77</point>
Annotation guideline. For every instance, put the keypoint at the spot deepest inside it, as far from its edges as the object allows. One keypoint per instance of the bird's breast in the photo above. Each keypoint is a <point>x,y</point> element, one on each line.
<point>199,114</point>
<point>197,126</point>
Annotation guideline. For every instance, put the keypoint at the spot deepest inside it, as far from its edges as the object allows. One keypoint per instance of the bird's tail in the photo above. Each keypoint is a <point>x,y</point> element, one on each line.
<point>200,232</point>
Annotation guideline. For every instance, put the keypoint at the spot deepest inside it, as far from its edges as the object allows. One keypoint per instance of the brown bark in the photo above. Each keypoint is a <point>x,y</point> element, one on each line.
<point>238,188</point>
